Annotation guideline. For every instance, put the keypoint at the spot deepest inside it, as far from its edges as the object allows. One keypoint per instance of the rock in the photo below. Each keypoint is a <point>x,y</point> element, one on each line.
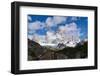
<point>34,49</point>
<point>61,46</point>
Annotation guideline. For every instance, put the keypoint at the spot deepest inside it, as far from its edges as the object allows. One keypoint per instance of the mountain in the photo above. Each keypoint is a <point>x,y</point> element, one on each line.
<point>60,51</point>
<point>34,50</point>
<point>61,46</point>
<point>79,51</point>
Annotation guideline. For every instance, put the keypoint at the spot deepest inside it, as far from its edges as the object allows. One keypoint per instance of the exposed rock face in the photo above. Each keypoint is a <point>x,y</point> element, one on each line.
<point>51,55</point>
<point>34,50</point>
<point>38,52</point>
<point>61,46</point>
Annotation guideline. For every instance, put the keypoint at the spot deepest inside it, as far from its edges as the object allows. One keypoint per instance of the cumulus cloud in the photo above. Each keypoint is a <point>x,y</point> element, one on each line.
<point>64,33</point>
<point>59,19</point>
<point>71,27</point>
<point>74,18</point>
<point>36,38</point>
<point>50,36</point>
<point>31,32</point>
<point>30,37</point>
<point>54,21</point>
<point>74,31</point>
<point>62,29</point>
<point>36,25</point>
<point>69,32</point>
<point>49,22</point>
<point>29,18</point>
<point>50,33</point>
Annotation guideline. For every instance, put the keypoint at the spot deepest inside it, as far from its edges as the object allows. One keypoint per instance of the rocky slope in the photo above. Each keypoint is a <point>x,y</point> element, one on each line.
<point>38,52</point>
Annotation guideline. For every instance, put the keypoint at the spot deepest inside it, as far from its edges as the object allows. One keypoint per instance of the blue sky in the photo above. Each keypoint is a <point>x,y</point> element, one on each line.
<point>40,24</point>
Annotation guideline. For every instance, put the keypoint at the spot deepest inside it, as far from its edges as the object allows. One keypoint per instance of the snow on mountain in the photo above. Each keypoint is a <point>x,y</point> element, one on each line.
<point>47,44</point>
<point>55,40</point>
<point>68,35</point>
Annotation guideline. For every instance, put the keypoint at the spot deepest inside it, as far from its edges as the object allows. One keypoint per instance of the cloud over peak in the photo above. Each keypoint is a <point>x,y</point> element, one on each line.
<point>54,29</point>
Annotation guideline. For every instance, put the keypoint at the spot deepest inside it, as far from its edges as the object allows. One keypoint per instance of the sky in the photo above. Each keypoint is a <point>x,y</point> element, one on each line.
<point>42,25</point>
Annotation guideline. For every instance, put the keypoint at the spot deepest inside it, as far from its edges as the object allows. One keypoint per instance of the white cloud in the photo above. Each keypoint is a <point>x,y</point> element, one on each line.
<point>50,36</point>
<point>59,19</point>
<point>73,30</point>
<point>49,33</point>
<point>49,22</point>
<point>71,27</point>
<point>69,32</point>
<point>29,18</point>
<point>36,38</point>
<point>30,37</point>
<point>31,32</point>
<point>54,21</point>
<point>62,29</point>
<point>65,32</point>
<point>36,25</point>
<point>74,18</point>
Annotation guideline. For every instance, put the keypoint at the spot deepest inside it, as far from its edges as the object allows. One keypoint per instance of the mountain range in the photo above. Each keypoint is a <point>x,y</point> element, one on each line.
<point>61,51</point>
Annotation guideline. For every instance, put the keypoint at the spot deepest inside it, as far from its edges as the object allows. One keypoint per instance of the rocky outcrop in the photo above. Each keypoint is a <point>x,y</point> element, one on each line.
<point>35,50</point>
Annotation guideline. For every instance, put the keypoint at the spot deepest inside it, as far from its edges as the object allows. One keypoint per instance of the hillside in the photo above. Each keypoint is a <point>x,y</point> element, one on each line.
<point>38,52</point>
